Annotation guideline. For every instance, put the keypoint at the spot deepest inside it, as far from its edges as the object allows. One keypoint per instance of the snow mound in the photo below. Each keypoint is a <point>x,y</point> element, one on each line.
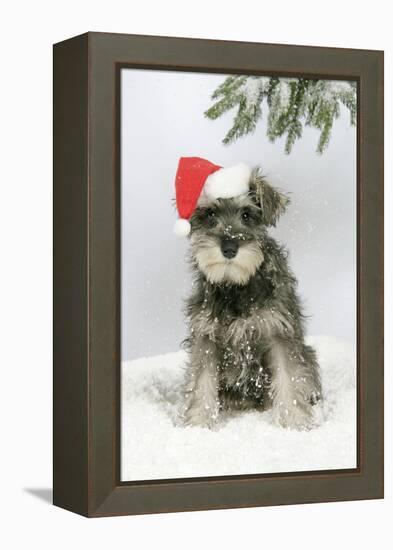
<point>154,447</point>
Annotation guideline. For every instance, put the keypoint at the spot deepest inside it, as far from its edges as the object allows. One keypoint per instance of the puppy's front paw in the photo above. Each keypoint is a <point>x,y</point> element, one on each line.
<point>294,416</point>
<point>201,416</point>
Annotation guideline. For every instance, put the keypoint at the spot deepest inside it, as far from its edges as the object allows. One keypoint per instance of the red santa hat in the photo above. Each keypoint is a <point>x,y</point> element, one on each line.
<point>196,177</point>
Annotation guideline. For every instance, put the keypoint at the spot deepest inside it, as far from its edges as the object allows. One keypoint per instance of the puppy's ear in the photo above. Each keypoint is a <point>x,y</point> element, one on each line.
<point>272,202</point>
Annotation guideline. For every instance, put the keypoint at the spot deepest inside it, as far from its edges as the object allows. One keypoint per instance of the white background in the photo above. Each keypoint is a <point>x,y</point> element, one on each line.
<point>27,31</point>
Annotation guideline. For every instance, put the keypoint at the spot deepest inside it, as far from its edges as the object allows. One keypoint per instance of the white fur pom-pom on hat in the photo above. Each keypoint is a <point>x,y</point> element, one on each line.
<point>182,227</point>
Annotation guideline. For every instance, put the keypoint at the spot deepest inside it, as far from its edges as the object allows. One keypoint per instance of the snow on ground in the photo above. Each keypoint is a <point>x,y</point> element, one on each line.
<point>154,447</point>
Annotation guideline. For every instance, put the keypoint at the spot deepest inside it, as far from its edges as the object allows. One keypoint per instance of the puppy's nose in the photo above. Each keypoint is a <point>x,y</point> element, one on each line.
<point>229,248</point>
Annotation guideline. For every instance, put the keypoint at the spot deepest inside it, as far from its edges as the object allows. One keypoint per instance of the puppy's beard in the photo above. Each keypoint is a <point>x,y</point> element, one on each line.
<point>219,269</point>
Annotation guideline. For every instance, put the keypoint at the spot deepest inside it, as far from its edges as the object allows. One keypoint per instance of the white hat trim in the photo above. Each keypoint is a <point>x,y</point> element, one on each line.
<point>227,183</point>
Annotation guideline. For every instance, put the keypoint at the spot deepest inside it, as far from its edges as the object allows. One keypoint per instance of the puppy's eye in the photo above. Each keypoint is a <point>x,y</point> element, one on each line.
<point>210,213</point>
<point>246,216</point>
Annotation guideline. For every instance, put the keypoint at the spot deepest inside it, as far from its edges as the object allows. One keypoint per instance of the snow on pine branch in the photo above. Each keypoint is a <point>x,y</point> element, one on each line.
<point>292,103</point>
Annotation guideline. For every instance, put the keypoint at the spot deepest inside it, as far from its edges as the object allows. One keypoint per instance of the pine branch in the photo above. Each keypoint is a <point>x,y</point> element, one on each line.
<point>291,103</point>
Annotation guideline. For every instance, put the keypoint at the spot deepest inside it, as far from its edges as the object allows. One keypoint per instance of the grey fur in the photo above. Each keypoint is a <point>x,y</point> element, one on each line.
<point>246,339</point>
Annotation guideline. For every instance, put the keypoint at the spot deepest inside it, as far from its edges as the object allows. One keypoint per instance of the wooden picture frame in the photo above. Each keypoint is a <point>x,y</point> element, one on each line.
<point>86,274</point>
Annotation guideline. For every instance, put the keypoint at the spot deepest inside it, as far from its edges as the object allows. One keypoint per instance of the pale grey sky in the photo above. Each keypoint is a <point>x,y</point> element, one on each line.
<point>162,120</point>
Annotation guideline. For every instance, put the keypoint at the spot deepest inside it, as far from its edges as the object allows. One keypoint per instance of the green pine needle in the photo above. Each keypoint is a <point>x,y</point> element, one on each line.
<point>292,103</point>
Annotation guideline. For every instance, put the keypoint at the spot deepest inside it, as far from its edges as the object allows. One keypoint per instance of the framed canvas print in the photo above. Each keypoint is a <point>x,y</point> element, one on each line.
<point>218,274</point>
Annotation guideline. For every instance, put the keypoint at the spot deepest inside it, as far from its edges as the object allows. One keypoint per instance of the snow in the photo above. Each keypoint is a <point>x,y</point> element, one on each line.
<point>155,446</point>
<point>252,87</point>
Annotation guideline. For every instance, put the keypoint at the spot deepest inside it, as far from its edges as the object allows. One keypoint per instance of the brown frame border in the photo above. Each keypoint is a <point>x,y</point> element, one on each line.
<point>87,262</point>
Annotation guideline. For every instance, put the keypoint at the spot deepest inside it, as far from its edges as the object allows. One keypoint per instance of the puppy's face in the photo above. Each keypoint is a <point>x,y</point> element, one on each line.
<point>227,234</point>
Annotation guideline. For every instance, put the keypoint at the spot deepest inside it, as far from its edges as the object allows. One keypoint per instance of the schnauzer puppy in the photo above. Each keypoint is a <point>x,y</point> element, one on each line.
<point>246,339</point>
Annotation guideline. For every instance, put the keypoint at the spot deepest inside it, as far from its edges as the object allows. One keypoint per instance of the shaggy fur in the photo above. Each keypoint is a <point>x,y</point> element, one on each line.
<point>246,340</point>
